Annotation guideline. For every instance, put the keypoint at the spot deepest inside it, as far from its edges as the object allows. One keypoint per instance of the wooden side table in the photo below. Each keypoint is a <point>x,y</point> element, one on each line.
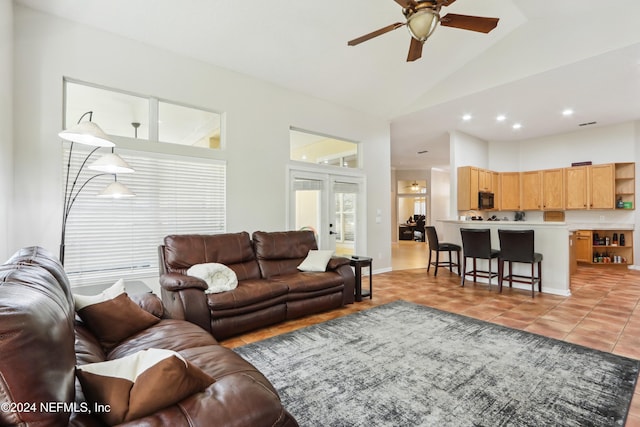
<point>358,262</point>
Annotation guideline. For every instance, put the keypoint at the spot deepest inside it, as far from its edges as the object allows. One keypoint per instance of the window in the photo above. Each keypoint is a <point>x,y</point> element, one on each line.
<point>142,117</point>
<point>321,149</point>
<point>107,239</point>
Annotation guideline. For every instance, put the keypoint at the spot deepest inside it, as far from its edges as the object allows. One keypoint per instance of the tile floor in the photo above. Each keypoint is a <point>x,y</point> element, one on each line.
<point>603,311</point>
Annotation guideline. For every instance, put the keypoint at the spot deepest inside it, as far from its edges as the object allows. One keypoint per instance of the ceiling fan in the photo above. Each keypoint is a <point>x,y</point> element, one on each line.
<point>423,17</point>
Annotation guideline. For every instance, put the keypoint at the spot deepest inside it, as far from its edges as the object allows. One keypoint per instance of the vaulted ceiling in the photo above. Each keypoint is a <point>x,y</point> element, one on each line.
<point>544,57</point>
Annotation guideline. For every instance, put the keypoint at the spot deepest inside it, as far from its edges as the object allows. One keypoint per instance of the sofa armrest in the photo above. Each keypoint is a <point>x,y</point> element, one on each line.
<point>177,281</point>
<point>349,283</point>
<point>149,302</point>
<point>184,298</point>
<point>337,261</point>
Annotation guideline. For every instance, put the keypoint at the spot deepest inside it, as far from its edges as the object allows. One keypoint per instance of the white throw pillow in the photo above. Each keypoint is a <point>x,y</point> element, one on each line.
<point>316,260</point>
<point>219,277</point>
<point>110,293</point>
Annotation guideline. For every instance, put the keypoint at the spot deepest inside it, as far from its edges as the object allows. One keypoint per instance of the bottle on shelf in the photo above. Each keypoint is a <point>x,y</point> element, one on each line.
<point>622,239</point>
<point>614,240</point>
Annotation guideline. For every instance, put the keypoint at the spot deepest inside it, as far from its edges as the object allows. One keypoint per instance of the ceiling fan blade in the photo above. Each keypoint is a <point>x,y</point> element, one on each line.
<point>415,50</point>
<point>467,22</point>
<point>375,33</point>
<point>445,2</point>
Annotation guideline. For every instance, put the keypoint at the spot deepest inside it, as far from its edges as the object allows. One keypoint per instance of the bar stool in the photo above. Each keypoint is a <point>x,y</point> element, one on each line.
<point>435,245</point>
<point>518,246</point>
<point>476,243</point>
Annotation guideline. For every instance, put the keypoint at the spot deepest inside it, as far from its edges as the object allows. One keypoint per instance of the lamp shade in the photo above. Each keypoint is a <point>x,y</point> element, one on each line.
<point>422,23</point>
<point>111,163</point>
<point>87,133</point>
<point>115,190</point>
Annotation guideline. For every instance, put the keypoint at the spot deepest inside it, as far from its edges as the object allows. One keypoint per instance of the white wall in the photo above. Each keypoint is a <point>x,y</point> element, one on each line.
<point>465,150</point>
<point>440,196</point>
<point>6,124</point>
<point>258,117</point>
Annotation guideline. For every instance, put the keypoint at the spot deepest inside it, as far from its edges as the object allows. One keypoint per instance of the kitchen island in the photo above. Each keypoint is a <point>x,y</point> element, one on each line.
<point>552,240</point>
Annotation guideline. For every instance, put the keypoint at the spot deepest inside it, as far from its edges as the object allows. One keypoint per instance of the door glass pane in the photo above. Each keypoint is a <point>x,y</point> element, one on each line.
<point>346,200</point>
<point>308,199</point>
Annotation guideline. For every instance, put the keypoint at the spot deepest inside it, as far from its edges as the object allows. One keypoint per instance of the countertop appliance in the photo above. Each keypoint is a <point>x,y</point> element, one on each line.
<point>519,216</point>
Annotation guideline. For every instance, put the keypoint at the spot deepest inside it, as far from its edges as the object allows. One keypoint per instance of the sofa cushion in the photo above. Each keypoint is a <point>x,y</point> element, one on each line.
<point>112,316</point>
<point>231,249</point>
<point>309,282</point>
<point>248,292</point>
<point>281,252</point>
<point>219,277</point>
<point>140,384</point>
<point>170,334</point>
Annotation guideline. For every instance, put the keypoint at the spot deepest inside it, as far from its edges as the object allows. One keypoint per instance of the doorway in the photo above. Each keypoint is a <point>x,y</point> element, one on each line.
<point>330,204</point>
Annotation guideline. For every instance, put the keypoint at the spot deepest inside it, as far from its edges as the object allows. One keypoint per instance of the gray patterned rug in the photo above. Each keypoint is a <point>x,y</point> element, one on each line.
<point>403,364</point>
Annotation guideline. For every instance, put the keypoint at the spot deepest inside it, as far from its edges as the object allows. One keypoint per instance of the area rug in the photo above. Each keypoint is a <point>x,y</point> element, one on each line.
<point>403,364</point>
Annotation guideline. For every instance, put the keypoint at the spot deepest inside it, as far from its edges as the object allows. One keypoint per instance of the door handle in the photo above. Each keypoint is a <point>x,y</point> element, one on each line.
<point>332,233</point>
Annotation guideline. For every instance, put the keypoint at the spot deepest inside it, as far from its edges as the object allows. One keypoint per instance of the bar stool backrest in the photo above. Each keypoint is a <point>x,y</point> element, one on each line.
<point>516,245</point>
<point>476,242</point>
<point>432,237</point>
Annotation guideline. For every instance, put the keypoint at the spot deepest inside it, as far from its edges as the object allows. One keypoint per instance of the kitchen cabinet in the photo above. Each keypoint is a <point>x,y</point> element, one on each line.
<point>485,180</point>
<point>495,178</point>
<point>602,186</point>
<point>531,190</point>
<point>553,189</point>
<point>625,185</point>
<point>606,250</point>
<point>467,188</point>
<point>575,187</point>
<point>510,191</point>
<point>583,246</point>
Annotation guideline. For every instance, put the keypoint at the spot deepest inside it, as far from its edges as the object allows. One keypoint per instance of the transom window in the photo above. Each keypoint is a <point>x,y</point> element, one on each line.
<point>142,117</point>
<point>316,148</point>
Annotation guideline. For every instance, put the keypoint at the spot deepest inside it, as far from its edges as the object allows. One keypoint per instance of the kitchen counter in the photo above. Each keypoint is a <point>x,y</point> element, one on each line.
<point>551,240</point>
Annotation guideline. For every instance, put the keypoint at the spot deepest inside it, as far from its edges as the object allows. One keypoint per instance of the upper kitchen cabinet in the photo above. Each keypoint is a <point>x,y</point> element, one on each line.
<point>553,189</point>
<point>473,180</point>
<point>625,185</point>
<point>575,187</point>
<point>468,185</point>
<point>602,186</point>
<point>485,181</point>
<point>531,190</point>
<point>510,191</point>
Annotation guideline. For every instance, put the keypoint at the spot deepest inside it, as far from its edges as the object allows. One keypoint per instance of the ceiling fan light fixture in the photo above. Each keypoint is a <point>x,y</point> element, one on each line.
<point>422,23</point>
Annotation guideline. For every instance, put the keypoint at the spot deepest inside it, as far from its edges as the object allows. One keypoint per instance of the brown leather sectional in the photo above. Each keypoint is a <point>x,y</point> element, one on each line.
<point>41,341</point>
<point>270,287</point>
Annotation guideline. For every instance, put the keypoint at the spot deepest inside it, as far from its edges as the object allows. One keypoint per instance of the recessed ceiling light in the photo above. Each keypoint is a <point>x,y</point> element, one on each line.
<point>517,126</point>
<point>567,112</point>
<point>501,118</point>
<point>466,117</point>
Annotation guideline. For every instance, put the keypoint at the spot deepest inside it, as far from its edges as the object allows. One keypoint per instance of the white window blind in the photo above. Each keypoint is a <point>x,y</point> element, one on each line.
<point>107,239</point>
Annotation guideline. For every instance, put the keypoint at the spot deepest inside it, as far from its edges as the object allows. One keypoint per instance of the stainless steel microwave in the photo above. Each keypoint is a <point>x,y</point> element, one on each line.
<point>485,200</point>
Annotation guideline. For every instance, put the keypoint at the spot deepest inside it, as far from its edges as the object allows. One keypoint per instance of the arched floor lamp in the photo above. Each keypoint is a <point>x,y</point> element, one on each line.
<point>89,133</point>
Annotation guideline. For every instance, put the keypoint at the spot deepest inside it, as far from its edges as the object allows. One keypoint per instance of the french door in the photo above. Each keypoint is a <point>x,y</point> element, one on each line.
<point>332,206</point>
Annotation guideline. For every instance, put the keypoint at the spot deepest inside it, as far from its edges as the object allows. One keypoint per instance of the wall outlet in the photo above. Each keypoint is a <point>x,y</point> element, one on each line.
<point>601,217</point>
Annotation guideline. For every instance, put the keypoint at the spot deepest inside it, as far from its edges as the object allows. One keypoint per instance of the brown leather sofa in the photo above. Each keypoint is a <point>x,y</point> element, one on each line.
<point>41,341</point>
<point>270,287</point>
